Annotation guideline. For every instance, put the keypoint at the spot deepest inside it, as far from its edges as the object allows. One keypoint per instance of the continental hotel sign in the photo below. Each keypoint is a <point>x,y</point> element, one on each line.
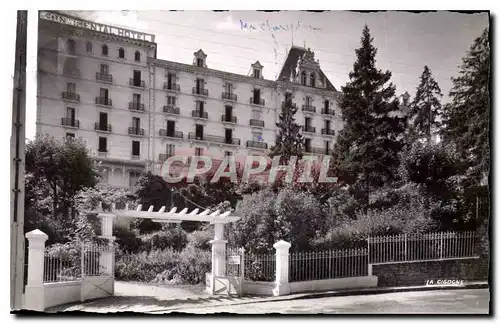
<point>96,26</point>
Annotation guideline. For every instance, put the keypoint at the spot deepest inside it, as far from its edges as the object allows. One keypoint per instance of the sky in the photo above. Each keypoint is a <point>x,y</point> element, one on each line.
<point>233,40</point>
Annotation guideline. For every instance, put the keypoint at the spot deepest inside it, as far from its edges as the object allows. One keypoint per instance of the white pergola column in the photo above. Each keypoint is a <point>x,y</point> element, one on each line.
<point>282,286</point>
<point>218,253</point>
<point>106,258</point>
<point>34,296</point>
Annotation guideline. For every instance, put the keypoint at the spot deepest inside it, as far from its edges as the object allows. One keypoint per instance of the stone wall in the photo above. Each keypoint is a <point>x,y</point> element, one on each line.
<point>416,273</point>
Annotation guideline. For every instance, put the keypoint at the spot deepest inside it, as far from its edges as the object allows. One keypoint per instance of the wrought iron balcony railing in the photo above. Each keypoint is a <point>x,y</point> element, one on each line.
<point>317,150</point>
<point>326,111</point>
<point>200,91</point>
<point>257,123</point>
<point>214,139</point>
<point>309,129</point>
<point>72,96</point>
<point>70,122</point>
<point>255,101</point>
<point>229,96</point>
<point>102,127</point>
<point>308,108</point>
<point>171,133</point>
<point>171,86</point>
<point>199,114</point>
<point>103,101</point>
<point>136,131</point>
<point>104,77</point>
<point>137,83</point>
<point>228,119</point>
<point>325,131</point>
<point>256,144</point>
<point>171,109</point>
<point>137,106</point>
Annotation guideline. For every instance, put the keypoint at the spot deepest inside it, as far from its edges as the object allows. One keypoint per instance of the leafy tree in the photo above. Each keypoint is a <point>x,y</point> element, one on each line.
<point>289,141</point>
<point>425,110</point>
<point>467,116</point>
<point>366,151</point>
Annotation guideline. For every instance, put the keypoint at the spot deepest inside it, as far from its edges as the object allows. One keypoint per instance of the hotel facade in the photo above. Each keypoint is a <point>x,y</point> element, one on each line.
<point>105,85</point>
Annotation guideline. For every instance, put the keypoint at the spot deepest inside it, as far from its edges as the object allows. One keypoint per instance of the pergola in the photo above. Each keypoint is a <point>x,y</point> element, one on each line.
<point>216,217</point>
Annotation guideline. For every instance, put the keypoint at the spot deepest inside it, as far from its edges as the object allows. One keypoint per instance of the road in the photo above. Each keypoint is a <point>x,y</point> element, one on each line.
<point>471,301</point>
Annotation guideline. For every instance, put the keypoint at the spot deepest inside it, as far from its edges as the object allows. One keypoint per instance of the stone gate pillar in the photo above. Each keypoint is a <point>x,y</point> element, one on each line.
<point>218,253</point>
<point>282,285</point>
<point>34,295</point>
<point>107,256</point>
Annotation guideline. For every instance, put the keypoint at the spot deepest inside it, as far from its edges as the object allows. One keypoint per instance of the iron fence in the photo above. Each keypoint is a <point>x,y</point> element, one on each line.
<point>260,267</point>
<point>319,265</point>
<point>58,269</point>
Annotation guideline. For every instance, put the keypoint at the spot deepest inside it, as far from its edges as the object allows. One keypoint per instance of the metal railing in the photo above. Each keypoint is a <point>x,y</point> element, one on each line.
<point>308,108</point>
<point>327,111</point>
<point>136,131</point>
<point>200,91</point>
<point>137,106</point>
<point>325,131</point>
<point>103,101</point>
<point>94,258</point>
<point>317,150</point>
<point>255,101</point>
<point>137,83</point>
<point>421,247</point>
<point>256,144</point>
<point>58,269</point>
<point>171,109</point>
<point>229,96</point>
<point>103,127</point>
<point>199,114</point>
<point>215,139</point>
<point>260,267</point>
<point>162,157</point>
<point>304,266</point>
<point>256,122</point>
<point>228,119</point>
<point>171,133</point>
<point>309,129</point>
<point>73,96</point>
<point>70,122</point>
<point>171,86</point>
<point>104,77</point>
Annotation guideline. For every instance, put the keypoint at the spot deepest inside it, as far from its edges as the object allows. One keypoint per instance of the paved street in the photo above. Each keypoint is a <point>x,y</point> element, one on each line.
<point>472,301</point>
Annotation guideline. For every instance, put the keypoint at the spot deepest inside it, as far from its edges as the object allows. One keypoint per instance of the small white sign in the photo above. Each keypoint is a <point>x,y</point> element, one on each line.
<point>234,259</point>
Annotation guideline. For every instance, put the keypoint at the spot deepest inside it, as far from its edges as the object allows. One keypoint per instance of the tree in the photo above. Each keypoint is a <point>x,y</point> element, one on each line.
<point>467,116</point>
<point>366,151</point>
<point>289,141</point>
<point>55,172</point>
<point>425,110</point>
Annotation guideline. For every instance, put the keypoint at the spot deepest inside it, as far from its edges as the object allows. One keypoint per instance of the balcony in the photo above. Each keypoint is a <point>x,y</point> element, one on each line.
<point>171,86</point>
<point>171,133</point>
<point>200,91</point>
<point>103,127</point>
<point>136,131</point>
<point>214,139</point>
<point>71,72</point>
<point>136,157</point>
<point>256,144</point>
<point>229,96</point>
<point>171,109</point>
<point>317,151</point>
<point>256,101</point>
<point>69,122</point>
<point>308,108</point>
<point>309,129</point>
<point>136,106</point>
<point>326,111</point>
<point>228,119</point>
<point>108,78</point>
<point>257,123</point>
<point>102,152</point>
<point>329,132</point>
<point>137,83</point>
<point>162,157</point>
<point>199,114</point>
<point>70,96</point>
<point>103,101</point>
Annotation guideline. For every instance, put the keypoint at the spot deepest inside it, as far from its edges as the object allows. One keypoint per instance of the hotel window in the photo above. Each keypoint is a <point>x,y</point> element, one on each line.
<point>313,80</point>
<point>105,50</point>
<point>103,144</point>
<point>136,98</point>
<point>171,78</point>
<point>71,87</point>
<point>198,151</point>
<point>137,56</point>
<point>199,62</point>
<point>307,145</point>
<point>136,123</point>
<point>228,153</point>
<point>256,73</point>
<point>137,78</point>
<point>199,132</point>
<point>133,178</point>
<point>308,101</point>
<point>121,53</point>
<point>136,145</point>
<point>104,69</point>
<point>88,47</point>
<point>170,150</point>
<point>303,78</point>
<point>171,100</point>
<point>257,137</point>
<point>71,46</point>
<point>70,135</point>
<point>228,87</point>
<point>71,115</point>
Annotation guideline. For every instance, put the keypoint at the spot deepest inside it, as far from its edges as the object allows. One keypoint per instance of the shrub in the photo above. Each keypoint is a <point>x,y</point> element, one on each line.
<point>200,239</point>
<point>168,237</point>
<point>127,240</point>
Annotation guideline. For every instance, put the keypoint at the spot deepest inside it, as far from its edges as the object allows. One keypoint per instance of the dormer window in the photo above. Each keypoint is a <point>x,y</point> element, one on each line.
<point>137,56</point>
<point>256,73</point>
<point>313,80</point>
<point>303,78</point>
<point>121,53</point>
<point>199,62</point>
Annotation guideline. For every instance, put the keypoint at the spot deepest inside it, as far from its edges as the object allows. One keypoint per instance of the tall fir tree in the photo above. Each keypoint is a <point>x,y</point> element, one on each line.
<point>366,151</point>
<point>289,141</point>
<point>426,110</point>
<point>467,116</point>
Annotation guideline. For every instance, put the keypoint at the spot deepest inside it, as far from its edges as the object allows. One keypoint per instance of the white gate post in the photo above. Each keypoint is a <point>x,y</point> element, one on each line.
<point>34,293</point>
<point>282,286</point>
<point>218,254</point>
<point>107,256</point>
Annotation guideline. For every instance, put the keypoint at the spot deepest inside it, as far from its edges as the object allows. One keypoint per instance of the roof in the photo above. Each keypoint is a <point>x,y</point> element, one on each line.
<point>291,64</point>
